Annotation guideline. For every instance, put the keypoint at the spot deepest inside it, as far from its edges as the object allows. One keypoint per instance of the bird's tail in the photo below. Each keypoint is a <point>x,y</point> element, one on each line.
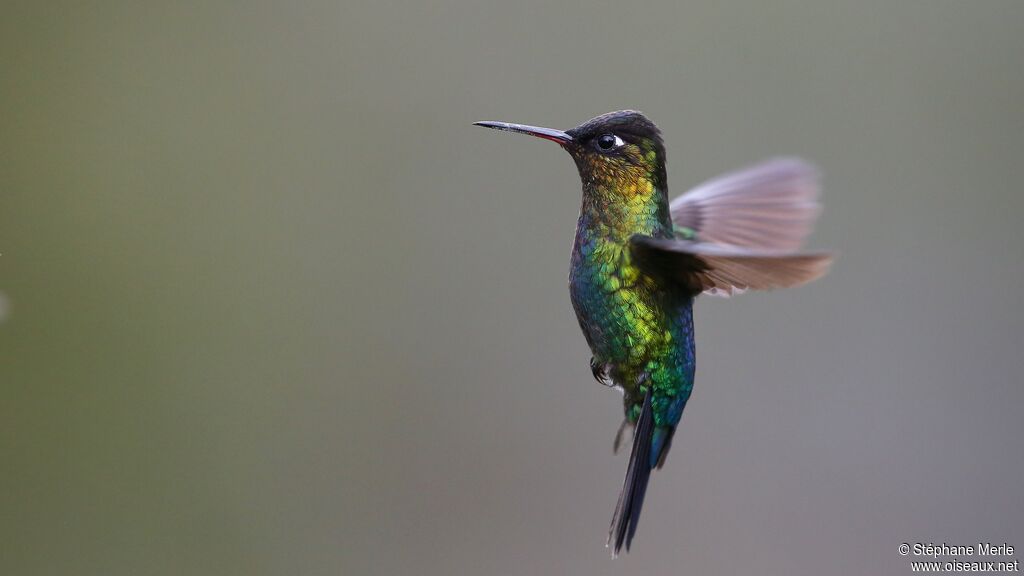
<point>631,499</point>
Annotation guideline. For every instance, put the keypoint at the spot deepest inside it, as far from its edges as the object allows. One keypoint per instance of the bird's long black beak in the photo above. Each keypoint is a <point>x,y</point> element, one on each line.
<point>545,133</point>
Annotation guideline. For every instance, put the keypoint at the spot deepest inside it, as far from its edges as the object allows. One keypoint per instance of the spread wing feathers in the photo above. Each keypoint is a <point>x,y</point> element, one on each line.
<point>725,270</point>
<point>769,206</point>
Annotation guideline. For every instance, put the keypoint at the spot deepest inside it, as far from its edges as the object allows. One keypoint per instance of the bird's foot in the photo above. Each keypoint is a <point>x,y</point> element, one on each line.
<point>600,372</point>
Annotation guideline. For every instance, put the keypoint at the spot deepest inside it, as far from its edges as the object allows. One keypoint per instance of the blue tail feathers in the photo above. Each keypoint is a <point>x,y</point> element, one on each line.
<point>641,461</point>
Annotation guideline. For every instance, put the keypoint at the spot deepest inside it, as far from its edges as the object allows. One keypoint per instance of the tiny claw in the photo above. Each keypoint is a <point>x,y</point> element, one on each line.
<point>600,372</point>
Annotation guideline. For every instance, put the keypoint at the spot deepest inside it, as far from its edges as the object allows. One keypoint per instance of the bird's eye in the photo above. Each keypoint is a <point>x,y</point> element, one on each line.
<point>606,142</point>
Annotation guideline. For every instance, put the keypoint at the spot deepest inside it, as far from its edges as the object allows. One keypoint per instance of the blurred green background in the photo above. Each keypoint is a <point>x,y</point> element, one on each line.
<point>271,305</point>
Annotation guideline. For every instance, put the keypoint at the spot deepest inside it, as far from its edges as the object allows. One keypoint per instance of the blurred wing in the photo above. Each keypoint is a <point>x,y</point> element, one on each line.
<point>725,270</point>
<point>770,206</point>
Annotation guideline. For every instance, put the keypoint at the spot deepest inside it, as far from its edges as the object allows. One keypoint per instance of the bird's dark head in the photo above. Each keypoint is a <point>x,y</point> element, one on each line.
<point>619,152</point>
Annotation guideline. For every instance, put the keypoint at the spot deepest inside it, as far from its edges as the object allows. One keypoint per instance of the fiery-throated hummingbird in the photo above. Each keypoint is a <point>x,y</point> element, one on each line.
<point>639,261</point>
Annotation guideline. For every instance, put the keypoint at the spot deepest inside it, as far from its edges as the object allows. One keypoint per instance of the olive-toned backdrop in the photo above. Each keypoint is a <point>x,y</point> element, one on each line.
<point>271,305</point>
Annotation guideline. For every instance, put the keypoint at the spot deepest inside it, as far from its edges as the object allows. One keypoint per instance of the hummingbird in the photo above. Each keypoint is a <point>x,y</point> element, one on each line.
<point>638,262</point>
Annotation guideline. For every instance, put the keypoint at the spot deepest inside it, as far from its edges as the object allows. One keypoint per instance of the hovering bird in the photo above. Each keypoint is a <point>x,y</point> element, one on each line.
<point>639,261</point>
